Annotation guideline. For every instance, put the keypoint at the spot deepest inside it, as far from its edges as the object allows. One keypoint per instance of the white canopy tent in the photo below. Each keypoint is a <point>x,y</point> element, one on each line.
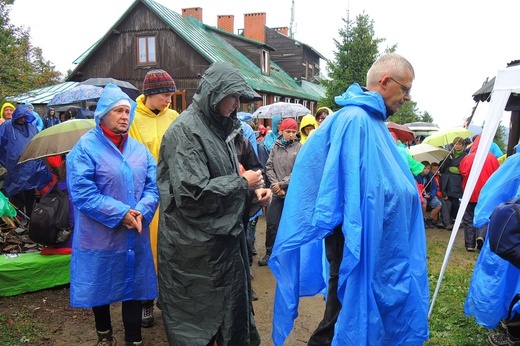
<point>507,82</point>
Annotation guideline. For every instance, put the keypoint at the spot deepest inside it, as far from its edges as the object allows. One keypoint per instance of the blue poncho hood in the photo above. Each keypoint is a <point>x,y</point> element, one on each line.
<point>109,97</point>
<point>23,111</point>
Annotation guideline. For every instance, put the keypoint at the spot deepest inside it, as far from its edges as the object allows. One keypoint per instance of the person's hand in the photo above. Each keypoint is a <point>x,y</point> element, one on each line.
<point>255,180</point>
<point>276,188</point>
<point>264,196</point>
<point>281,192</point>
<point>133,220</point>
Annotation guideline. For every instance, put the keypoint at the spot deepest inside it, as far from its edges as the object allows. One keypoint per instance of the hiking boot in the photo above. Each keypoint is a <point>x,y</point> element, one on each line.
<point>147,318</point>
<point>263,261</point>
<point>480,242</point>
<point>105,338</point>
<point>503,339</point>
<point>470,249</point>
<point>429,223</point>
<point>449,227</point>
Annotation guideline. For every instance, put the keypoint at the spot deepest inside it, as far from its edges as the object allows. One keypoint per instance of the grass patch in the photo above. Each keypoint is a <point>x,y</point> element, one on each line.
<point>449,325</point>
<point>19,328</point>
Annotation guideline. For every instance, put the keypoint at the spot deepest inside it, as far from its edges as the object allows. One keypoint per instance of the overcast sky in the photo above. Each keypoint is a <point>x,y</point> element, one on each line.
<point>453,45</point>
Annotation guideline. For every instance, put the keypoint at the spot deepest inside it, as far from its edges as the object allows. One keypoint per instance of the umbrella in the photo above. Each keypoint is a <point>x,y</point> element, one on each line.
<point>55,140</point>
<point>445,137</point>
<point>283,109</point>
<point>427,152</point>
<point>77,94</point>
<point>403,132</point>
<point>128,88</point>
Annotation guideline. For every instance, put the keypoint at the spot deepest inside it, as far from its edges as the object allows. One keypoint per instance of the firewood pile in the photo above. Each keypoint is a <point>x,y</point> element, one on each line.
<point>14,237</point>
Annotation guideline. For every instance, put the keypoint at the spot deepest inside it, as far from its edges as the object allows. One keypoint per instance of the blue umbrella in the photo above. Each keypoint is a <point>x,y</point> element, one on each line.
<point>80,93</point>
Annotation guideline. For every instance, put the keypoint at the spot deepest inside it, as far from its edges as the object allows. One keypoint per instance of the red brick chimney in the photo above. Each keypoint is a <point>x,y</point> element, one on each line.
<point>254,26</point>
<point>226,22</point>
<point>282,30</point>
<point>194,11</point>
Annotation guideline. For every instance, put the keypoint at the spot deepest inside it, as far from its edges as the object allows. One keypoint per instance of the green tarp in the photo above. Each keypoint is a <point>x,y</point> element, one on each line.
<point>32,272</point>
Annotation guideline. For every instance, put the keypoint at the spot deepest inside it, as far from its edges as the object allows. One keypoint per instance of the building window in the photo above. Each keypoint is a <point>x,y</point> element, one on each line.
<point>296,100</point>
<point>264,99</point>
<point>305,102</point>
<point>287,99</point>
<point>277,99</point>
<point>265,62</point>
<point>146,50</point>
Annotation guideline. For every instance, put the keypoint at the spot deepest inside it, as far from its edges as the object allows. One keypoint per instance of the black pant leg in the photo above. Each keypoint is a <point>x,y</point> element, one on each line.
<point>272,219</point>
<point>131,312</point>
<point>324,333</point>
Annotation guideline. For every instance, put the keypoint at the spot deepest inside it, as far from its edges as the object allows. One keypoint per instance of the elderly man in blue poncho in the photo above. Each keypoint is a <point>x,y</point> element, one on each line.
<point>363,211</point>
<point>111,179</point>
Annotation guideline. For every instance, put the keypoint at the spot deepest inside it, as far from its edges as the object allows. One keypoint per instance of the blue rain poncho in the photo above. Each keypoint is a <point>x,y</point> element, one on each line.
<point>109,262</point>
<point>495,281</point>
<point>14,138</point>
<point>352,174</point>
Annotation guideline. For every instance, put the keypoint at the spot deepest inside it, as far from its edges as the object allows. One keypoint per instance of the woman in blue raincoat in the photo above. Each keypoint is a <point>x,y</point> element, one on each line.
<point>112,183</point>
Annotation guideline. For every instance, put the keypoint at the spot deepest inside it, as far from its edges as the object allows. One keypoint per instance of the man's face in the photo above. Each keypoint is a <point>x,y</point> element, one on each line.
<point>228,105</point>
<point>21,121</point>
<point>397,91</point>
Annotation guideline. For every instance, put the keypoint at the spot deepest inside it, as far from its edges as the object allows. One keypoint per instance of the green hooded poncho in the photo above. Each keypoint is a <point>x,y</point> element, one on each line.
<point>204,281</point>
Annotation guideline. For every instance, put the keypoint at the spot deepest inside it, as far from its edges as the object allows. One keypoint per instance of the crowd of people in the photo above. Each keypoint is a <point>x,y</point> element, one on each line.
<point>165,206</point>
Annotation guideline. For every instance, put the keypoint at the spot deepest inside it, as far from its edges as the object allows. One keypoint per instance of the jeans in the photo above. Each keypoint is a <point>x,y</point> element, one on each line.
<point>325,331</point>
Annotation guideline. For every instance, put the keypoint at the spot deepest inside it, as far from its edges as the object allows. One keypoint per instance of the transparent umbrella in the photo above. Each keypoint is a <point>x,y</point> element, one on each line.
<point>283,109</point>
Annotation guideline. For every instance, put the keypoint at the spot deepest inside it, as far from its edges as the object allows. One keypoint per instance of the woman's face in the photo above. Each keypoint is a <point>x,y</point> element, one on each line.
<point>229,104</point>
<point>289,134</point>
<point>117,119</point>
<point>8,113</point>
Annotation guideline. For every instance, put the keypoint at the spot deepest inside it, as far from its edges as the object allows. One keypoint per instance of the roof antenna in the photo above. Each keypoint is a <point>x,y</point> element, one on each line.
<point>291,30</point>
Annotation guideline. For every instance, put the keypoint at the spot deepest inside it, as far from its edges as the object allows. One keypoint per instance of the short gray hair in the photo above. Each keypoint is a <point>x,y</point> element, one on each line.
<point>386,64</point>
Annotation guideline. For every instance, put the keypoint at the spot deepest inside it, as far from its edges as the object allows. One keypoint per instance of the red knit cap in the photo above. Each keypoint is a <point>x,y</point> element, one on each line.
<point>289,124</point>
<point>158,82</point>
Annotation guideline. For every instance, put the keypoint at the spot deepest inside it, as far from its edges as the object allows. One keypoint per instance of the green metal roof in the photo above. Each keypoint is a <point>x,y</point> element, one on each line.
<point>42,95</point>
<point>214,48</point>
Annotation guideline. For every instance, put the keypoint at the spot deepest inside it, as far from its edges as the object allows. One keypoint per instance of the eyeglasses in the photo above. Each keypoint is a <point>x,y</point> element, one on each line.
<point>405,89</point>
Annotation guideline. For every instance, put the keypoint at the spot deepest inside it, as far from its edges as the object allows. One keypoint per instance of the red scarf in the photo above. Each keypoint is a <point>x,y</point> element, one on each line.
<point>118,139</point>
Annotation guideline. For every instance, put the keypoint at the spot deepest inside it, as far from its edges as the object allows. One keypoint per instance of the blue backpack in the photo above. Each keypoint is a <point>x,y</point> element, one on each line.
<point>504,231</point>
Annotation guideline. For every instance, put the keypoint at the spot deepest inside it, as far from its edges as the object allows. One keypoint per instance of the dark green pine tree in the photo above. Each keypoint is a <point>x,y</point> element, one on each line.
<point>22,66</point>
<point>355,52</point>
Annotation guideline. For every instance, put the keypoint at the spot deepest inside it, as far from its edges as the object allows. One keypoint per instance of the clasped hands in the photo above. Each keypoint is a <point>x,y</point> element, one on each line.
<point>133,219</point>
<point>255,182</point>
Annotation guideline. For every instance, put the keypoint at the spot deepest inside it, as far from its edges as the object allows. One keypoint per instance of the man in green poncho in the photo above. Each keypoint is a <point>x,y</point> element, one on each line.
<point>204,282</point>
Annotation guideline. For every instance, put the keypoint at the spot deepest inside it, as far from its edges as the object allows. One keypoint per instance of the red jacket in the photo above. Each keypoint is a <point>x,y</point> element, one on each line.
<point>490,166</point>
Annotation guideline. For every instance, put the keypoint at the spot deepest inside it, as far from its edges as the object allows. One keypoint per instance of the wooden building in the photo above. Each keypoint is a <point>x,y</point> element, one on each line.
<point>149,35</point>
